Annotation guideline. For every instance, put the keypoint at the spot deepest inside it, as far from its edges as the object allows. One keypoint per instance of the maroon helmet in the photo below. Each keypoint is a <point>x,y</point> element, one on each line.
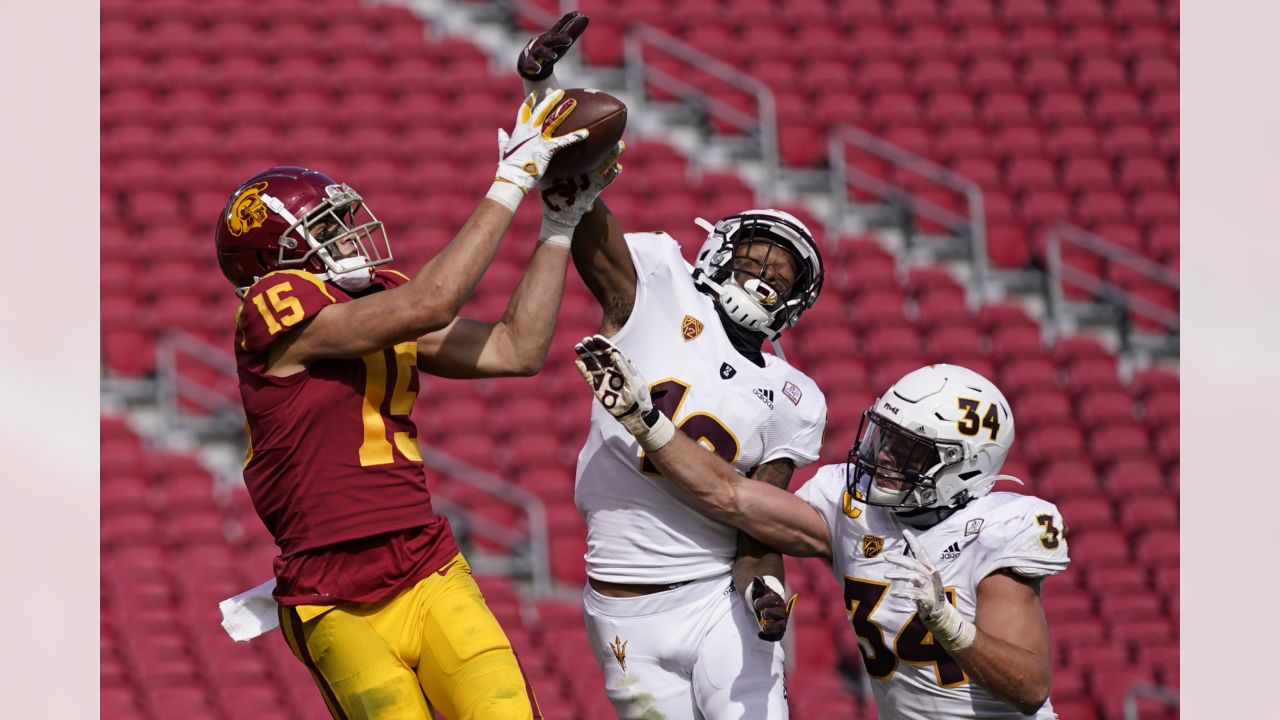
<point>293,218</point>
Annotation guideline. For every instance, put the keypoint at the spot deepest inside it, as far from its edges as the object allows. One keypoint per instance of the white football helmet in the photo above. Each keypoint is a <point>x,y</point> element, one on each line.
<point>754,304</point>
<point>936,439</point>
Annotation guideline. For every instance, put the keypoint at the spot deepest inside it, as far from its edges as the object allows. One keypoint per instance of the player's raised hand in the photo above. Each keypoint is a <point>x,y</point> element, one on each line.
<point>765,598</point>
<point>918,580</point>
<point>619,387</point>
<point>542,51</point>
<point>523,155</point>
<point>565,200</point>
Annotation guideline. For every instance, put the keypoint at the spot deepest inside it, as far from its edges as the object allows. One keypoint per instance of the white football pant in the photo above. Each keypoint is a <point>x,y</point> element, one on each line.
<point>685,654</point>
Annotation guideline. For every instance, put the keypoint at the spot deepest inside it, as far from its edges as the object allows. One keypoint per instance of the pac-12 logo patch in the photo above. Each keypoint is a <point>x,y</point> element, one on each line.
<point>973,527</point>
<point>727,371</point>
<point>247,211</point>
<point>690,327</point>
<point>872,545</point>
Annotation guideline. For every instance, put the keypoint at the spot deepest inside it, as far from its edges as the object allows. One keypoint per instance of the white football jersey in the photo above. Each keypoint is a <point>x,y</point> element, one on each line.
<point>914,679</point>
<point>641,529</point>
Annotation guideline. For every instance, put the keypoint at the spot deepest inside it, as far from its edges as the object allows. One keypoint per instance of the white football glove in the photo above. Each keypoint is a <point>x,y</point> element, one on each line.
<point>523,155</point>
<point>566,200</point>
<point>622,391</point>
<point>920,581</point>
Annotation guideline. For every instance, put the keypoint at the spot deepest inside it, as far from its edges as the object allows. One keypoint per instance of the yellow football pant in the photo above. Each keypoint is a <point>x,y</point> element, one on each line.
<point>435,645</point>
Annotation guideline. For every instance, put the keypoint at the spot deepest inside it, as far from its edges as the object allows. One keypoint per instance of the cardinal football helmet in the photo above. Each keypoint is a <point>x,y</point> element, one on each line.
<point>753,304</point>
<point>293,218</point>
<point>936,439</point>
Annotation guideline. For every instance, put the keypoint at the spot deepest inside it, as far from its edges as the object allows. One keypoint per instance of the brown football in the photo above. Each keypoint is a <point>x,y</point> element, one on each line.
<point>603,114</point>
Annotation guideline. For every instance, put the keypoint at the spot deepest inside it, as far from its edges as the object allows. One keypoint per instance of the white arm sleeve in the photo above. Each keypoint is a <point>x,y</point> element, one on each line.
<point>540,86</point>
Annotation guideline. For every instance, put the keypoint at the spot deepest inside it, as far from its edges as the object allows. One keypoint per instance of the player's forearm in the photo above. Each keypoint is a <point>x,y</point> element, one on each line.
<point>755,559</point>
<point>604,263</point>
<point>773,516</point>
<point>530,318</point>
<point>442,285</point>
<point>1011,673</point>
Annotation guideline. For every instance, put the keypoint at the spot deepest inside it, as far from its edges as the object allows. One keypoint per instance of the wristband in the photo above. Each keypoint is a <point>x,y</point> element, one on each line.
<point>542,86</point>
<point>506,194</point>
<point>555,232</point>
<point>654,432</point>
<point>951,630</point>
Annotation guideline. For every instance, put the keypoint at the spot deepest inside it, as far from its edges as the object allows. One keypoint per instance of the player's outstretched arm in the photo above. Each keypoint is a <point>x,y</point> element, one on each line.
<point>1006,650</point>
<point>772,515</point>
<point>432,298</point>
<point>518,343</point>
<point>600,252</point>
<point>758,569</point>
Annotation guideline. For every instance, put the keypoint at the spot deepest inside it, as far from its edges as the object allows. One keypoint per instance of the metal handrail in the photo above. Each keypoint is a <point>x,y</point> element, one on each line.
<point>173,387</point>
<point>538,543</point>
<point>1166,695</point>
<point>1060,274</point>
<point>641,74</point>
<point>971,225</point>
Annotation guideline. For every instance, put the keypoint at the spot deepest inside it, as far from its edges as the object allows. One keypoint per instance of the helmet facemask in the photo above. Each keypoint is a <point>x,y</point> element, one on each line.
<point>759,303</point>
<point>894,467</point>
<point>341,232</point>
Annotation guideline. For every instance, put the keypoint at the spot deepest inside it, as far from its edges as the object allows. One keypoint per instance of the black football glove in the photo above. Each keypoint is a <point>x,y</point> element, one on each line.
<point>541,53</point>
<point>771,611</point>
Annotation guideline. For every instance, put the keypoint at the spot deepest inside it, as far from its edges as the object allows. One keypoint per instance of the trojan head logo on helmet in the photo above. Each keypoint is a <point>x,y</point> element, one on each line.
<point>936,439</point>
<point>732,267</point>
<point>291,217</point>
<point>246,211</point>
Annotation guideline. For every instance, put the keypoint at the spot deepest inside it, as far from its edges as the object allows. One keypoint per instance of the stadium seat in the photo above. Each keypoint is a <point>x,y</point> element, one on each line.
<point>1062,479</point>
<point>1087,513</point>
<point>1099,548</point>
<point>1158,547</point>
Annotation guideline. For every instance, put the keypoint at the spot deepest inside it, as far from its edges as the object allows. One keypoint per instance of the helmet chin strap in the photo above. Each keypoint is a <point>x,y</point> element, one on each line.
<point>741,306</point>
<point>354,275</point>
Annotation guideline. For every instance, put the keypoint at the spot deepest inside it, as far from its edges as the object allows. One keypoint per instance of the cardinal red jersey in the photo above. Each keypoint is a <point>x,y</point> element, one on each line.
<point>333,455</point>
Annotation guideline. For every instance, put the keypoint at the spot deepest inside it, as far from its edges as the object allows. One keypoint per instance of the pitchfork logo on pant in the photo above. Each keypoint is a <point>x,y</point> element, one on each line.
<point>619,649</point>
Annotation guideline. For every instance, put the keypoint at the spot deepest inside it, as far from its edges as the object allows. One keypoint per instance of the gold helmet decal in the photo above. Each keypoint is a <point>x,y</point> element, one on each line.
<point>247,211</point>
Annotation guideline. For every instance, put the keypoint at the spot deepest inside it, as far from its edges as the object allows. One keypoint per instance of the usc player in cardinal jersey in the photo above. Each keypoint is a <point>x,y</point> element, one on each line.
<point>374,596</point>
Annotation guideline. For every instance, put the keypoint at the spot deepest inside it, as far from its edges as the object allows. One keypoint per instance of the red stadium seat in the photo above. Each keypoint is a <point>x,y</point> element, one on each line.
<point>1151,513</point>
<point>1052,443</point>
<point>1099,657</point>
<point>1027,374</point>
<point>1134,478</point>
<point>1118,442</point>
<point>1064,478</point>
<point>1099,548</point>
<point>1016,341</point>
<point>1088,513</point>
<point>1121,580</point>
<point>1158,547</point>
<point>1118,608</point>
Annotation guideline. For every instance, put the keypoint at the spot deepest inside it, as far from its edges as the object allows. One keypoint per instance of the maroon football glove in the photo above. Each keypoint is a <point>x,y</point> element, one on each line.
<point>772,612</point>
<point>542,52</point>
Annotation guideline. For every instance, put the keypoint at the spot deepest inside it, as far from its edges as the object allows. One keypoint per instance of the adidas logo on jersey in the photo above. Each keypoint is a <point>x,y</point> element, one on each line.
<point>952,552</point>
<point>766,396</point>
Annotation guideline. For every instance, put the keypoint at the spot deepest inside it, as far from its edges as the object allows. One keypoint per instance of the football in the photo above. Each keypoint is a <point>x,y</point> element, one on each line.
<point>603,114</point>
